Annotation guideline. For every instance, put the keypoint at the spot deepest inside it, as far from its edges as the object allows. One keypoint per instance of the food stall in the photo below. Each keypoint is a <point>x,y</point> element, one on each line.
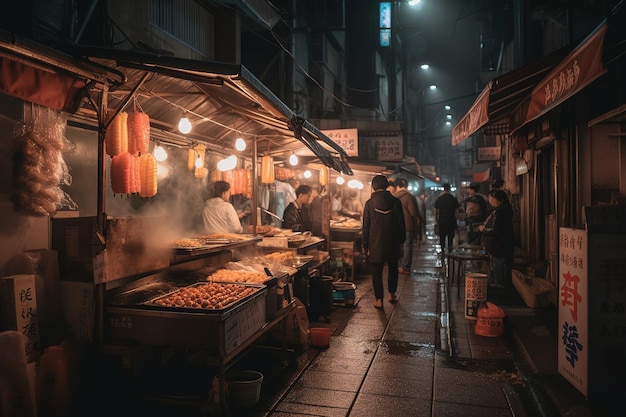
<point>137,268</point>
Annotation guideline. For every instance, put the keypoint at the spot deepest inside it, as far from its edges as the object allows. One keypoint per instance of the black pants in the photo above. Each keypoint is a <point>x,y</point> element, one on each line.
<point>377,278</point>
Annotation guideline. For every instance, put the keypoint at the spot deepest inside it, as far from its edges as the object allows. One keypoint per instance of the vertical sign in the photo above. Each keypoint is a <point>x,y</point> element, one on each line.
<point>573,347</point>
<point>385,23</point>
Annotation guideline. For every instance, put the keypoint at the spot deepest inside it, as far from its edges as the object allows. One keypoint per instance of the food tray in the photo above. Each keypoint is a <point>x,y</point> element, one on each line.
<point>153,303</point>
<point>299,261</point>
<point>218,330</point>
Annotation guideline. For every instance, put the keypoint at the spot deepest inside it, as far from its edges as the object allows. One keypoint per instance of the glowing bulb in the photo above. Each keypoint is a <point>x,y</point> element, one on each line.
<point>240,144</point>
<point>353,184</point>
<point>160,154</point>
<point>227,164</point>
<point>184,125</point>
<point>198,163</point>
<point>340,180</point>
<point>307,174</point>
<point>361,186</point>
<point>293,160</point>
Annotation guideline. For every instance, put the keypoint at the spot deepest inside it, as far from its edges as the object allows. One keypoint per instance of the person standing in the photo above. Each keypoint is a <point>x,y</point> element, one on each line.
<point>218,215</point>
<point>476,212</point>
<point>446,214</point>
<point>499,238</point>
<point>412,223</point>
<point>292,216</point>
<point>383,234</point>
<point>352,207</point>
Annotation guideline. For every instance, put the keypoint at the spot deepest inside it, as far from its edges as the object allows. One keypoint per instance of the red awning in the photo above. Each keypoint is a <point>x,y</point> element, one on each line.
<point>502,95</point>
<point>475,118</point>
<point>582,66</point>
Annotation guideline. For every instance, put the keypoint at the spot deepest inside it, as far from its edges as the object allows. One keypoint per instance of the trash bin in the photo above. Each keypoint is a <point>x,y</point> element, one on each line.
<point>475,293</point>
<point>490,321</point>
<point>321,297</point>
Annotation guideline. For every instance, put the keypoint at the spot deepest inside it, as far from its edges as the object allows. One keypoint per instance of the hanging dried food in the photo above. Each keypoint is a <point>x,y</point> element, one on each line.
<point>267,170</point>
<point>123,180</point>
<point>138,133</point>
<point>38,166</point>
<point>148,175</point>
<point>116,136</point>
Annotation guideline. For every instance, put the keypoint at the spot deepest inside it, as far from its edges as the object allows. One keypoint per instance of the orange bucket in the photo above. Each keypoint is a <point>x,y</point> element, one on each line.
<point>490,320</point>
<point>320,336</point>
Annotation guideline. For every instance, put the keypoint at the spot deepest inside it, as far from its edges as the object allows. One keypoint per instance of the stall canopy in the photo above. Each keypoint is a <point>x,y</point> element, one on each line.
<point>223,101</point>
<point>581,67</point>
<point>502,95</point>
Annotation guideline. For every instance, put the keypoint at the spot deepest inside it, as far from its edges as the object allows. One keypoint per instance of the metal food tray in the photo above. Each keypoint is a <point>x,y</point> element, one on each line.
<point>150,304</point>
<point>221,331</point>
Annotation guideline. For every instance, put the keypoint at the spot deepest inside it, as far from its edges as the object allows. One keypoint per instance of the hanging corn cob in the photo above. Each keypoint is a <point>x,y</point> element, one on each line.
<point>116,136</point>
<point>148,175</point>
<point>138,132</point>
<point>267,170</point>
<point>122,175</point>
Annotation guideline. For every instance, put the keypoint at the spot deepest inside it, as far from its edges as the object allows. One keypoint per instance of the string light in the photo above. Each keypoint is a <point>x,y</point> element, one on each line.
<point>184,125</point>
<point>307,174</point>
<point>227,164</point>
<point>199,162</point>
<point>293,160</point>
<point>159,153</point>
<point>240,144</point>
<point>340,180</point>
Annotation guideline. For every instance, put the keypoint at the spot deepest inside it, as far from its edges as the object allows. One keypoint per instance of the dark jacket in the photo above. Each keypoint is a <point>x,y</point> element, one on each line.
<point>498,236</point>
<point>447,206</point>
<point>292,218</point>
<point>412,218</point>
<point>383,227</point>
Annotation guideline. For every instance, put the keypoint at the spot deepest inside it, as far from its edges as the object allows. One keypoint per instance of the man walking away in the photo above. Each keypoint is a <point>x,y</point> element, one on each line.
<point>412,223</point>
<point>446,213</point>
<point>383,235</point>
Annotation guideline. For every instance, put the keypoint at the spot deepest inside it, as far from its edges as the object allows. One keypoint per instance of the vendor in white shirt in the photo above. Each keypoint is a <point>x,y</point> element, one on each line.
<point>218,215</point>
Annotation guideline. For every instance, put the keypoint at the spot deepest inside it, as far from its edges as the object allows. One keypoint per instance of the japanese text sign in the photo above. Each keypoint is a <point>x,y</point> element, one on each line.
<point>573,348</point>
<point>347,139</point>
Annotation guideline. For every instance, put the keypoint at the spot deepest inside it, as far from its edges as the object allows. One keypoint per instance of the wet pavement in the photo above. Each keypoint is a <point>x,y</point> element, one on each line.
<point>418,357</point>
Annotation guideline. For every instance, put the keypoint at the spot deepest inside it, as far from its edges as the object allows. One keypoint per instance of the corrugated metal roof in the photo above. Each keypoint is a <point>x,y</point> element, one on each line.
<point>222,101</point>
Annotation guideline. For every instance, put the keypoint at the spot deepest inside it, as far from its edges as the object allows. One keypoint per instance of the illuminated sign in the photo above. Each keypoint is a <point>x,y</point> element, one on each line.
<point>385,23</point>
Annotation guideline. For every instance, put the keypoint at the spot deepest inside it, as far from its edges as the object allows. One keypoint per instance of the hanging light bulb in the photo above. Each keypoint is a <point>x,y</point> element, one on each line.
<point>159,153</point>
<point>353,183</point>
<point>199,161</point>
<point>227,164</point>
<point>184,125</point>
<point>293,159</point>
<point>307,174</point>
<point>240,144</point>
<point>340,180</point>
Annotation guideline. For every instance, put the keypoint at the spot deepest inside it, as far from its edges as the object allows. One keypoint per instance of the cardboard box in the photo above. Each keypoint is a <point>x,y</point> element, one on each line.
<point>18,310</point>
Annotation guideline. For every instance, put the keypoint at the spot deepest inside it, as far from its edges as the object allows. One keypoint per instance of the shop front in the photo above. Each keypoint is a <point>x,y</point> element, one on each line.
<point>125,226</point>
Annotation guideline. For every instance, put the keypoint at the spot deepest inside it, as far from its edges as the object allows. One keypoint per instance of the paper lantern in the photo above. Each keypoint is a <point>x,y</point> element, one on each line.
<point>267,170</point>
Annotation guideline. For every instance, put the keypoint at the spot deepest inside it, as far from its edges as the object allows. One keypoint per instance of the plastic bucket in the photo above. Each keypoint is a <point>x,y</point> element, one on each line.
<point>475,293</point>
<point>320,336</point>
<point>244,388</point>
<point>490,321</point>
